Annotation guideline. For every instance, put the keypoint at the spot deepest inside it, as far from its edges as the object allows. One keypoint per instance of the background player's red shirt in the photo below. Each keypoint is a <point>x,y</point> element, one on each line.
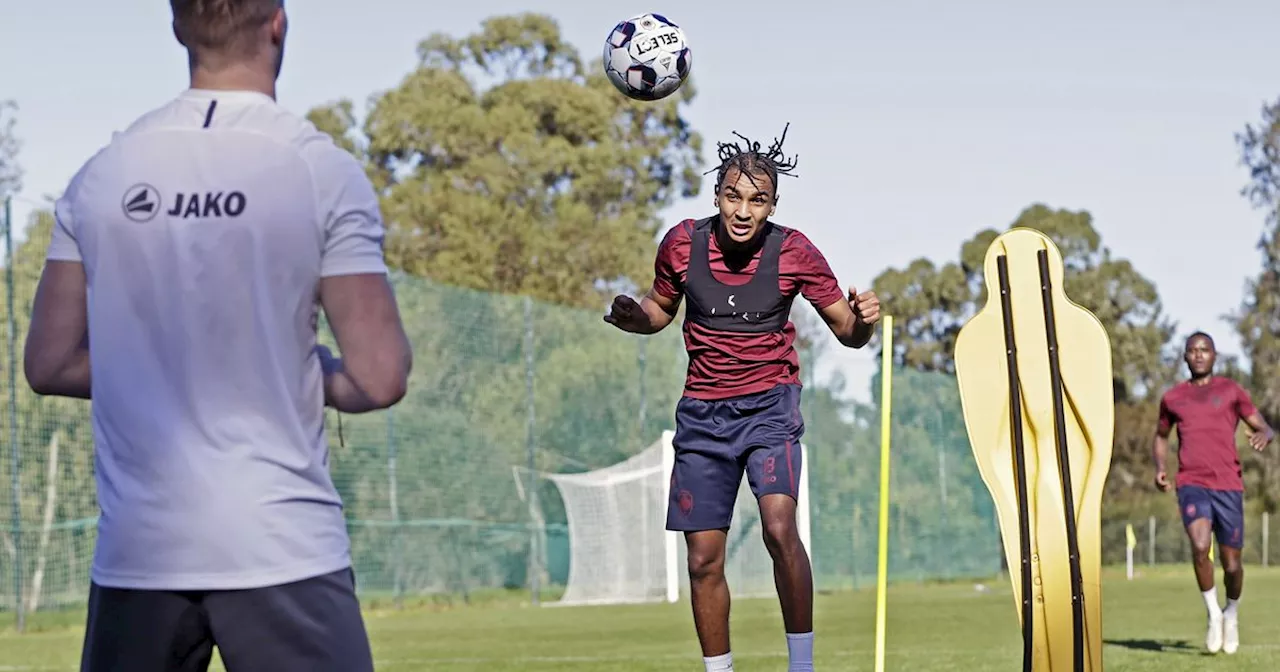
<point>729,364</point>
<point>1207,416</point>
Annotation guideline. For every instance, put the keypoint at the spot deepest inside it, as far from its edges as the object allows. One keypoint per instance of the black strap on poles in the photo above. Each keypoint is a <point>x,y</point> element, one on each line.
<point>1064,465</point>
<point>1019,464</point>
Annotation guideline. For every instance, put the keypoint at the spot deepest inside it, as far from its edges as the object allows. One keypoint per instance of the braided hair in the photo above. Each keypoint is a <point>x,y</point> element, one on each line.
<point>751,161</point>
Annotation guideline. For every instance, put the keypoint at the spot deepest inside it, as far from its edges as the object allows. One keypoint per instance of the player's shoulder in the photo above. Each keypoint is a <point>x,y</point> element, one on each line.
<point>792,238</point>
<point>680,234</point>
<point>1176,390</point>
<point>1230,384</point>
<point>241,112</point>
<point>798,247</point>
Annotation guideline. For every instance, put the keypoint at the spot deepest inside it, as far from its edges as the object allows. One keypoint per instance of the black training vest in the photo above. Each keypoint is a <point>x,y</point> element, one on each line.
<point>755,307</point>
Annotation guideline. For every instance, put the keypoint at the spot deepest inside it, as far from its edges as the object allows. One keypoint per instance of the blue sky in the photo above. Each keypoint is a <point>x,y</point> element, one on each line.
<point>917,123</point>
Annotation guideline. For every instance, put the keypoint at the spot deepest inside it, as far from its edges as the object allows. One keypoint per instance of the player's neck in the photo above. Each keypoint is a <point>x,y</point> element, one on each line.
<point>233,78</point>
<point>1202,380</point>
<point>732,250</point>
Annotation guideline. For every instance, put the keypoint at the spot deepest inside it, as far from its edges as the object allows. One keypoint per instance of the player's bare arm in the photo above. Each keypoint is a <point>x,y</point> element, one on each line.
<point>373,372</point>
<point>651,314</point>
<point>56,355</point>
<point>1160,454</point>
<point>1261,433</point>
<point>852,320</point>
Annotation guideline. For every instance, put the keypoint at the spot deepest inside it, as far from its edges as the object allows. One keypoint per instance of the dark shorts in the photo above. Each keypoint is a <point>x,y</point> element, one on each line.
<point>1223,508</point>
<point>716,441</point>
<point>313,625</point>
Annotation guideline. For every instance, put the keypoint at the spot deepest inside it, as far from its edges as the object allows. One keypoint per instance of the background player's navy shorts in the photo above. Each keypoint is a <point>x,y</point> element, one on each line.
<point>312,625</point>
<point>716,441</point>
<point>1224,508</point>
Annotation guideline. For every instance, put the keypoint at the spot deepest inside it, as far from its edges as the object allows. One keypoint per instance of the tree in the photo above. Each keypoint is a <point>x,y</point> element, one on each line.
<point>10,170</point>
<point>931,303</point>
<point>55,448</point>
<point>1258,319</point>
<point>505,165</point>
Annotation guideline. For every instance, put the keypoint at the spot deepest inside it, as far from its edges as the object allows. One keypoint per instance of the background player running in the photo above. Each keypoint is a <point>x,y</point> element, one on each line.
<point>1207,409</point>
<point>741,404</point>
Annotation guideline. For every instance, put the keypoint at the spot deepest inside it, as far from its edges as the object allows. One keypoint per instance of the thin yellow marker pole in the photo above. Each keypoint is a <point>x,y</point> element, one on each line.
<point>886,396</point>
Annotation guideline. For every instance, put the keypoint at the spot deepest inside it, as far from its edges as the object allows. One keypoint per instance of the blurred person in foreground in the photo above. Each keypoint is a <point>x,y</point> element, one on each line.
<point>188,263</point>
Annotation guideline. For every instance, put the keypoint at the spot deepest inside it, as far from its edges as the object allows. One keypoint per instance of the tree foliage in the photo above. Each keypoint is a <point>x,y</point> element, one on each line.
<point>1257,321</point>
<point>931,302</point>
<point>10,169</point>
<point>506,165</point>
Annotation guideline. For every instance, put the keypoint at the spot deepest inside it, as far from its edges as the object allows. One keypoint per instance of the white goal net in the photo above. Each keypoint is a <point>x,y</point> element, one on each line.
<point>619,548</point>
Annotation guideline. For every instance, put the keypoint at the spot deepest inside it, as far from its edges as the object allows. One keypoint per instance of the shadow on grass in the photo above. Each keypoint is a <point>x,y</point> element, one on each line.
<point>1156,645</point>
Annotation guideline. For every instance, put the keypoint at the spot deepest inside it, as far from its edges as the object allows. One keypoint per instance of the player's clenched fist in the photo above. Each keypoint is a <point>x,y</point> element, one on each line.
<point>866,306</point>
<point>626,314</point>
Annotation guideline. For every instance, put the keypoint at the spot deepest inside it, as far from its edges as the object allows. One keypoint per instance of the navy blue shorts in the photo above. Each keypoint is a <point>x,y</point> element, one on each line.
<point>313,625</point>
<point>1223,508</point>
<point>716,441</point>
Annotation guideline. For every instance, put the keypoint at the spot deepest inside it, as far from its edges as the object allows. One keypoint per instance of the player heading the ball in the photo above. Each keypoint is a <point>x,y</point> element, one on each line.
<point>740,410</point>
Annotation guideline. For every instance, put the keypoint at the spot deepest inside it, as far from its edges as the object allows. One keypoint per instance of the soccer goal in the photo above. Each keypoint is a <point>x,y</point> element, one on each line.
<point>620,551</point>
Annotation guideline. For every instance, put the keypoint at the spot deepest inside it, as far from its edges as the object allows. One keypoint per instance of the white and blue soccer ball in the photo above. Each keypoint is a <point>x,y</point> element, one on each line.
<point>646,57</point>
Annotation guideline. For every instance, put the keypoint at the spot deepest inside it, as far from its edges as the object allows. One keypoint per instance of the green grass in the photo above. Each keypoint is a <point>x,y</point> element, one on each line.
<point>1154,623</point>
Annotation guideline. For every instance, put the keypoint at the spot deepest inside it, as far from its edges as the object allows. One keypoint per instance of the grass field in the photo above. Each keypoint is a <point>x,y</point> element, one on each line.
<point>1154,623</point>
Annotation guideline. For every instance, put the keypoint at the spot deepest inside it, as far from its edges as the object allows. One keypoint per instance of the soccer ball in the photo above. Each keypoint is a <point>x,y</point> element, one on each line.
<point>646,57</point>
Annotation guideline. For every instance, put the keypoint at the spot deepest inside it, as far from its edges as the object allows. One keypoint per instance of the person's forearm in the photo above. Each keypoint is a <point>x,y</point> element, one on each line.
<point>858,334</point>
<point>852,332</point>
<point>72,379</point>
<point>1160,452</point>
<point>658,319</point>
<point>343,393</point>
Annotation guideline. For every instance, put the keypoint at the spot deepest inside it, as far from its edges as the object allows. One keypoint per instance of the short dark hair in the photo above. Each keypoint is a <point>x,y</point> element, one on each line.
<point>750,160</point>
<point>219,25</point>
<point>1201,334</point>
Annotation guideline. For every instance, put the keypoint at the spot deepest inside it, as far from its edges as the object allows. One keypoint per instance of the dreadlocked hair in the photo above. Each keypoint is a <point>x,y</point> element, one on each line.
<point>751,161</point>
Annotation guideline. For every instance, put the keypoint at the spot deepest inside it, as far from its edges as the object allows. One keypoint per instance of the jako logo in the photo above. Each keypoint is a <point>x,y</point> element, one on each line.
<point>141,203</point>
<point>208,204</point>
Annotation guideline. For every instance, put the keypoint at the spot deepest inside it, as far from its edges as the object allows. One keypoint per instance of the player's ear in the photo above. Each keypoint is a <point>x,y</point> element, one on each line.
<point>279,26</point>
<point>177,35</point>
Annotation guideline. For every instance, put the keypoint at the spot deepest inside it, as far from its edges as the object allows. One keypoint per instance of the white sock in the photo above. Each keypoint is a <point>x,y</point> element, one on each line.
<point>1232,605</point>
<point>719,663</point>
<point>1211,601</point>
<point>800,651</point>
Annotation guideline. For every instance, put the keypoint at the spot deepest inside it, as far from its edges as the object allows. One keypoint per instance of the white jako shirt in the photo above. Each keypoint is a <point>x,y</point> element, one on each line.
<point>204,230</point>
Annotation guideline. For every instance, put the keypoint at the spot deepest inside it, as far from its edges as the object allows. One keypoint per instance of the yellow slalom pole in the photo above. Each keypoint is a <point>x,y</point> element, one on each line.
<point>886,396</point>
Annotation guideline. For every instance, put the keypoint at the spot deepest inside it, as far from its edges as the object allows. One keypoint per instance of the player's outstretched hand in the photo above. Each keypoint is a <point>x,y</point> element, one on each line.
<point>626,314</point>
<point>866,306</point>
<point>1162,481</point>
<point>1259,440</point>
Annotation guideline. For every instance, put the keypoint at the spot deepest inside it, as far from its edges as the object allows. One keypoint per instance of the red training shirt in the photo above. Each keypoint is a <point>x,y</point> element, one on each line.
<point>1207,416</point>
<point>730,364</point>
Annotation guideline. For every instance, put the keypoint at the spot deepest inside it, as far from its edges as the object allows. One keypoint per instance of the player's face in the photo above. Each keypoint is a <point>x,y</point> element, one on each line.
<point>1199,356</point>
<point>746,201</point>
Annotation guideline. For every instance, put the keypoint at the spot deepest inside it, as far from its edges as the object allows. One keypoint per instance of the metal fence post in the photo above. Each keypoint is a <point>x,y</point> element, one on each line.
<point>1151,540</point>
<point>1266,537</point>
<point>13,414</point>
<point>530,454</point>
